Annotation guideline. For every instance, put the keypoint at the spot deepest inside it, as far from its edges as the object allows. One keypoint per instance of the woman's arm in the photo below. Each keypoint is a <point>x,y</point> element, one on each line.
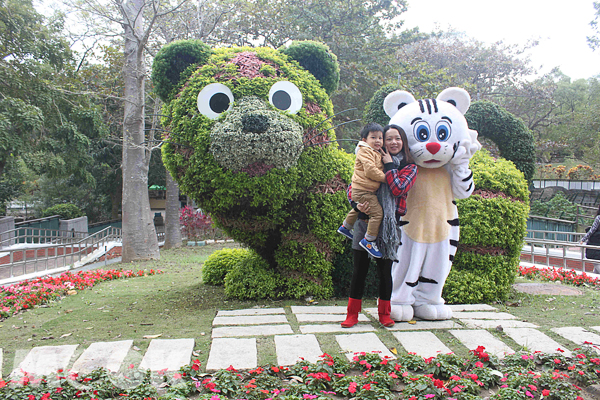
<point>400,180</point>
<point>593,229</point>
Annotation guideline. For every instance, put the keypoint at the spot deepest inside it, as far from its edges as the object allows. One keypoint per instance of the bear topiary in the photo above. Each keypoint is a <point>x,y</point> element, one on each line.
<point>250,139</point>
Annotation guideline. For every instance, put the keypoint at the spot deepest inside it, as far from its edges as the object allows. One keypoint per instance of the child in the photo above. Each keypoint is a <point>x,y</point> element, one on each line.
<point>368,175</point>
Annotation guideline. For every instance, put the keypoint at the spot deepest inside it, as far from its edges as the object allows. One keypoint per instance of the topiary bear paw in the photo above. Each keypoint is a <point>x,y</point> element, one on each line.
<point>433,312</point>
<point>401,312</point>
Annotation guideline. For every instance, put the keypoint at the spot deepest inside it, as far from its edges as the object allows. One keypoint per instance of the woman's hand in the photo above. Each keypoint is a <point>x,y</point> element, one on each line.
<point>364,207</point>
<point>385,156</point>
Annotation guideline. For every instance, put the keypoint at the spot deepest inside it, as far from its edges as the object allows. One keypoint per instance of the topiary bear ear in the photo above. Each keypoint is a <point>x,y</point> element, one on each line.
<point>318,59</point>
<point>172,60</point>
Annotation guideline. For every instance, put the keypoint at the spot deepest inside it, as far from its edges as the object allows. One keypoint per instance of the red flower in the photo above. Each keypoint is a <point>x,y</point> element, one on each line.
<point>352,387</point>
<point>545,392</point>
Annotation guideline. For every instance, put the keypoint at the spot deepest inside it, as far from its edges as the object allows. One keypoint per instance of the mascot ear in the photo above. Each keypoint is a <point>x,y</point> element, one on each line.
<point>458,97</point>
<point>172,60</point>
<point>318,60</point>
<point>396,100</point>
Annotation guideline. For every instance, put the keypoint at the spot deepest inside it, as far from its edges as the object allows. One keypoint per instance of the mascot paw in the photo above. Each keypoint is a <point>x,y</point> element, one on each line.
<point>433,312</point>
<point>401,312</point>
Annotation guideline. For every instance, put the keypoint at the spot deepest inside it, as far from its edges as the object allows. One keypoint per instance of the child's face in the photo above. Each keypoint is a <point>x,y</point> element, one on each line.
<point>393,141</point>
<point>374,139</point>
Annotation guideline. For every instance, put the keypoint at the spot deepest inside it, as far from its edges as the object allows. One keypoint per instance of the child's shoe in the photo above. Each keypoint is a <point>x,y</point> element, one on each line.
<point>370,247</point>
<point>346,232</point>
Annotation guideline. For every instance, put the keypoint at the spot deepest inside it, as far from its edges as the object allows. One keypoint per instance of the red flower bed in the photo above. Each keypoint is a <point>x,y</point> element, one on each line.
<point>559,274</point>
<point>27,294</point>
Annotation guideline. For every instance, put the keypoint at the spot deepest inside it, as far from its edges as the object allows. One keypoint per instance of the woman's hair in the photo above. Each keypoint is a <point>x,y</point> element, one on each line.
<point>407,156</point>
<point>370,127</point>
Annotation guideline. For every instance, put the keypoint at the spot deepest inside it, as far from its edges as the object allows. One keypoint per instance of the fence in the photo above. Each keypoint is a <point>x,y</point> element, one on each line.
<point>566,183</point>
<point>557,249</point>
<point>52,253</point>
<point>583,217</point>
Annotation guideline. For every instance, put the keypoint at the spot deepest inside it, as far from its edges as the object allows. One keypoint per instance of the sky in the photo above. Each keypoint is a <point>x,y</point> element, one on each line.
<point>560,27</point>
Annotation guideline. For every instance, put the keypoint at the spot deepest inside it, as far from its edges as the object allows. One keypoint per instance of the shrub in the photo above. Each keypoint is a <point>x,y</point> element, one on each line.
<point>196,225</point>
<point>510,133</point>
<point>493,225</point>
<point>66,211</point>
<point>220,263</point>
<point>374,111</point>
<point>252,279</point>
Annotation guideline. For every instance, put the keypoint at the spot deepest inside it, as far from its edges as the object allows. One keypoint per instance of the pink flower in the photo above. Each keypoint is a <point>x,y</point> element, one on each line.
<point>429,396</point>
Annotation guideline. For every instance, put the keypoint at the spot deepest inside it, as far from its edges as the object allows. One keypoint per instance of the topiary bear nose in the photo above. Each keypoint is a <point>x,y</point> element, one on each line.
<point>256,123</point>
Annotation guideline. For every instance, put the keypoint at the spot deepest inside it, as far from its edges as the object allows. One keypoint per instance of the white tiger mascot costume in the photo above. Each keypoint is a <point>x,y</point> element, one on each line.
<point>442,145</point>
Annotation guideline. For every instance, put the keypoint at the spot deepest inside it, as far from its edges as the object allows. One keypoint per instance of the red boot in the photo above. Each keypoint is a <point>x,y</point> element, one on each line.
<point>384,310</point>
<point>354,307</point>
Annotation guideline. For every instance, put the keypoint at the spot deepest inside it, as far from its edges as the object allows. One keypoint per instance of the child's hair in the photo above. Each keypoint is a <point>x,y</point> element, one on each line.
<point>370,127</point>
<point>407,156</point>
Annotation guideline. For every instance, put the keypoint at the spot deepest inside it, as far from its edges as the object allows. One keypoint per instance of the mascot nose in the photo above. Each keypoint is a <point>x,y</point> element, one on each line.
<point>433,147</point>
<point>256,123</point>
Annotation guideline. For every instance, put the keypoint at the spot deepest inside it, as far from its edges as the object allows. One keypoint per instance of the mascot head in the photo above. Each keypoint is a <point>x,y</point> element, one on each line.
<point>435,128</point>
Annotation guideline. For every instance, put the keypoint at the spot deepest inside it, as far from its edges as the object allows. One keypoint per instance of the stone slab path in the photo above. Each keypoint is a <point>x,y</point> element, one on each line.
<point>300,332</point>
<point>425,344</point>
<point>535,340</point>
<point>109,355</point>
<point>579,336</point>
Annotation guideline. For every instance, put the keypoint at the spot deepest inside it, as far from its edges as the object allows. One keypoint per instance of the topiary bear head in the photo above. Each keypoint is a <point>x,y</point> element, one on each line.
<point>250,140</point>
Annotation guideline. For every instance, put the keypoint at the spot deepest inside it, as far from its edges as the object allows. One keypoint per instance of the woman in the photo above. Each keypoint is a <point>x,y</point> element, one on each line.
<point>400,172</point>
<point>592,237</point>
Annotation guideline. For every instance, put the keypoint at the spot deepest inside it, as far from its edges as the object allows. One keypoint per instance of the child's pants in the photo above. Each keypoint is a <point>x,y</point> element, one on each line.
<point>375,214</point>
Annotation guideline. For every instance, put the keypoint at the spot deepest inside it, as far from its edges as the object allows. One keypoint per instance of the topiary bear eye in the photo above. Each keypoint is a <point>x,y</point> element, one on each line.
<point>214,100</point>
<point>286,96</point>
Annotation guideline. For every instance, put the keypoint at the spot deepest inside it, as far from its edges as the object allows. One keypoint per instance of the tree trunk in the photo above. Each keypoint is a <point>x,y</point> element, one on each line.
<point>172,226</point>
<point>139,236</point>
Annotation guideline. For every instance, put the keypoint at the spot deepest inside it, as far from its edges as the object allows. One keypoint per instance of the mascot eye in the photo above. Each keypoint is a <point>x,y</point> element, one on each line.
<point>421,131</point>
<point>214,100</point>
<point>442,130</point>
<point>286,96</point>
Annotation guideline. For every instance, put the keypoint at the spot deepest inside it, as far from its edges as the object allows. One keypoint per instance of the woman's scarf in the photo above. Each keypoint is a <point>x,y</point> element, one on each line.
<point>388,239</point>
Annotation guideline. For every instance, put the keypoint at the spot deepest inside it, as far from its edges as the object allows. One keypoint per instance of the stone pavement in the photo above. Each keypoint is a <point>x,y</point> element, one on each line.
<point>236,335</point>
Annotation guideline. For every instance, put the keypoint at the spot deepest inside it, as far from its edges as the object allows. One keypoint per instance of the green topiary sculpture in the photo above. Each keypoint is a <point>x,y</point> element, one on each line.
<point>493,224</point>
<point>514,140</point>
<point>250,141</point>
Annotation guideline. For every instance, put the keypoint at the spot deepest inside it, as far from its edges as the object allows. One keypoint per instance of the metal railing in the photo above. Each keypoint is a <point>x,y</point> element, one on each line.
<point>58,253</point>
<point>544,248</point>
<point>38,236</point>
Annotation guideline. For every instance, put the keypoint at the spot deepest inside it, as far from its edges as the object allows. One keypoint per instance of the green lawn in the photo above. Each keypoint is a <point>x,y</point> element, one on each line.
<point>176,304</point>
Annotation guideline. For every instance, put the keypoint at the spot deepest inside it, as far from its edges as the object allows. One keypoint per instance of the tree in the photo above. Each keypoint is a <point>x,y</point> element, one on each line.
<point>483,69</point>
<point>594,40</point>
<point>172,225</point>
<point>137,19</point>
<point>42,123</point>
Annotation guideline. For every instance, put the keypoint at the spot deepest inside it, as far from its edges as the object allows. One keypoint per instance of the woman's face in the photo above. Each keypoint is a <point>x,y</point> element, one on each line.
<point>393,141</point>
